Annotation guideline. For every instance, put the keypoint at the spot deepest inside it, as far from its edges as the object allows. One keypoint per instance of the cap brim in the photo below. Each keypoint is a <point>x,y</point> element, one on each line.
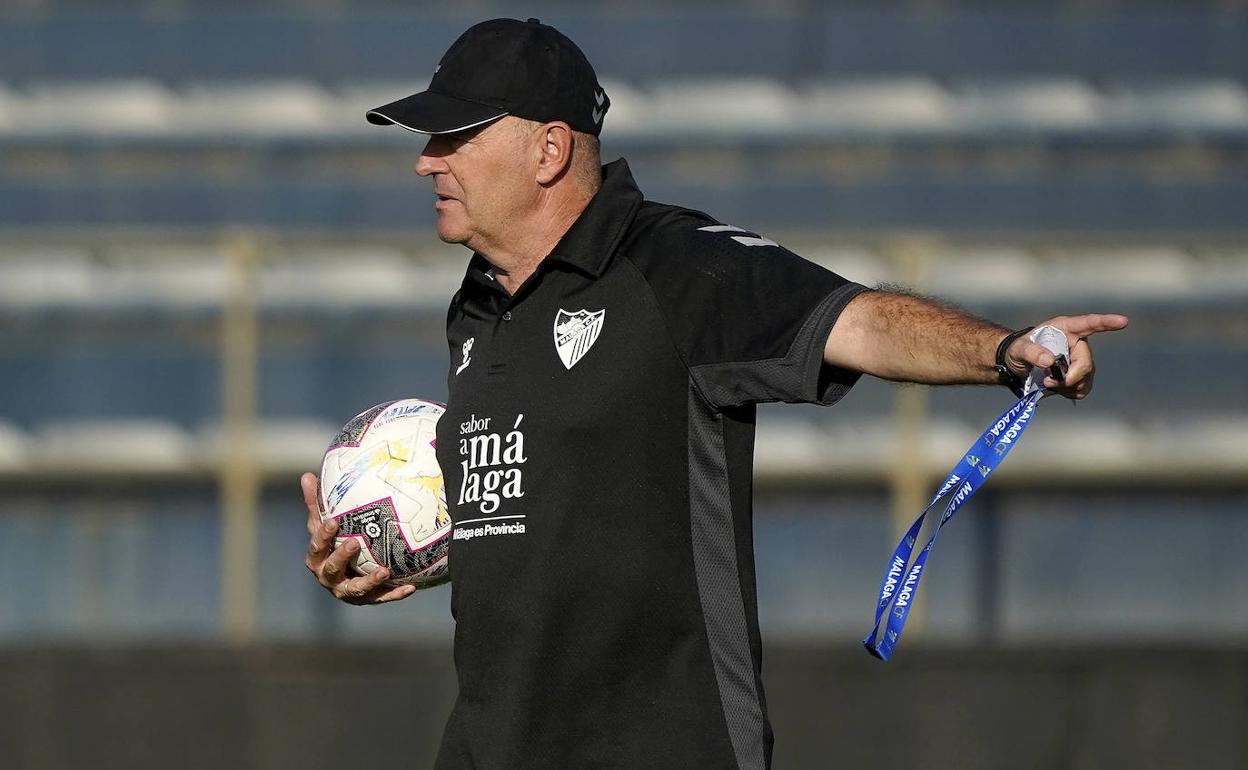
<point>431,113</point>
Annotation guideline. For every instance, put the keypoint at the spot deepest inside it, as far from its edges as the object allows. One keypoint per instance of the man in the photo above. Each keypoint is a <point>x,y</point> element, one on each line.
<point>607,354</point>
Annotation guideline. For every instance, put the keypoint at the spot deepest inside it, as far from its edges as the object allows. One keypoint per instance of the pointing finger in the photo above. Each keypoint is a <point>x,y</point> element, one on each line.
<point>1084,325</point>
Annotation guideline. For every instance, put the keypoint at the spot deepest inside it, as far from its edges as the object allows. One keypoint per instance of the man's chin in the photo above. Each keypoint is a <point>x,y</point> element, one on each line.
<point>451,234</point>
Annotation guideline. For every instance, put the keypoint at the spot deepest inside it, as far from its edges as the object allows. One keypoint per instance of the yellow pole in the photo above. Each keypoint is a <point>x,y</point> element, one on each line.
<point>239,476</point>
<point>908,480</point>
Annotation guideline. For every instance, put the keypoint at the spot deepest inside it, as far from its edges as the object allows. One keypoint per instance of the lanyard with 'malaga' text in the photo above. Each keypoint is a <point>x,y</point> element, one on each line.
<point>977,464</point>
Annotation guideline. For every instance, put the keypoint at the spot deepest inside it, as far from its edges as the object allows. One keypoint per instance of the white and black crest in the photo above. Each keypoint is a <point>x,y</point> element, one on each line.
<point>575,333</point>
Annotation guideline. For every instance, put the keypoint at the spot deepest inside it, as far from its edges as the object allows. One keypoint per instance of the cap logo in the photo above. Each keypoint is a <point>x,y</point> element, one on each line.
<point>600,96</point>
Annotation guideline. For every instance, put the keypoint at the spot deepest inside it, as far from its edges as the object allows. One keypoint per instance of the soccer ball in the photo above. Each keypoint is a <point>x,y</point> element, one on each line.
<point>380,479</point>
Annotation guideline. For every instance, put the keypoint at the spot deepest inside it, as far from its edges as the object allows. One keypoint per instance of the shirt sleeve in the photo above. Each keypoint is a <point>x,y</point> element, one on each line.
<point>749,317</point>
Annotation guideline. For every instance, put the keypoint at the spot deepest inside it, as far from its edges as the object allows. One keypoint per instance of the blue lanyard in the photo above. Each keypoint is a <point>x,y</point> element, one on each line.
<point>969,475</point>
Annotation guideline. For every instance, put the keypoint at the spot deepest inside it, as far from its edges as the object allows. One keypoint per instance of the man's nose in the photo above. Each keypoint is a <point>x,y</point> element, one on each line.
<point>426,165</point>
<point>429,163</point>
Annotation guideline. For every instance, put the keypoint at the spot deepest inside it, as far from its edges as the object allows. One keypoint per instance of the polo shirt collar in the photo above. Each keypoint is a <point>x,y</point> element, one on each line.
<point>591,241</point>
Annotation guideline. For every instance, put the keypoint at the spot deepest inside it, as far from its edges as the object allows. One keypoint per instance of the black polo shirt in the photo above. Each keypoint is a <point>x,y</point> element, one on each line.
<point>597,449</point>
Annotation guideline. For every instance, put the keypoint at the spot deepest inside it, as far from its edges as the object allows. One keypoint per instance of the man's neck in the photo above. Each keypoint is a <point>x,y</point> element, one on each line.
<point>517,256</point>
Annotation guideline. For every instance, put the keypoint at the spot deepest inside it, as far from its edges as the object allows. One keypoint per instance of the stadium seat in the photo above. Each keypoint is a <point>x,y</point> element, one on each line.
<point>944,440</point>
<point>1214,442</point>
<point>33,277</point>
<point>112,445</point>
<point>110,107</point>
<point>1215,104</point>
<point>1124,271</point>
<point>1221,271</point>
<point>248,108</point>
<point>14,448</point>
<point>1026,104</point>
<point>282,446</point>
<point>788,448</point>
<point>344,277</point>
<point>720,106</point>
<point>1000,272</point>
<point>888,105</point>
<point>172,275</point>
<point>8,106</point>
<point>1106,443</point>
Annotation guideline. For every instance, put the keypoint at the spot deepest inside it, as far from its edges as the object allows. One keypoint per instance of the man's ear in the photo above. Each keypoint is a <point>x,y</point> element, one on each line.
<point>556,152</point>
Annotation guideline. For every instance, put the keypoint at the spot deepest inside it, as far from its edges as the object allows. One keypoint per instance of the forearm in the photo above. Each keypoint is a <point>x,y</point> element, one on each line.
<point>909,339</point>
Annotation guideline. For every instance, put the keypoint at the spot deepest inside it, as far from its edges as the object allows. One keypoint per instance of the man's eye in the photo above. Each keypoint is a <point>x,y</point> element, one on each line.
<point>449,142</point>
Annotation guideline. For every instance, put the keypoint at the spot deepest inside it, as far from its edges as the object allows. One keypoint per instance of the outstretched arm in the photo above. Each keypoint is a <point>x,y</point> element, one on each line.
<point>909,339</point>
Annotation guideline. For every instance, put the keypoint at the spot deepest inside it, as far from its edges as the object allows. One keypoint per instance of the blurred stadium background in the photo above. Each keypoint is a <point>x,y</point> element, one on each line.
<point>208,261</point>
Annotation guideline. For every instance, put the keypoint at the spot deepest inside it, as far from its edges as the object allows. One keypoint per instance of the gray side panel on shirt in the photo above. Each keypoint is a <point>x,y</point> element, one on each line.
<point>719,585</point>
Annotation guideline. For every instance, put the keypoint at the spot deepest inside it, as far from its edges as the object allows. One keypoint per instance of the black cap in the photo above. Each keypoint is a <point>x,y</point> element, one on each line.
<point>504,67</point>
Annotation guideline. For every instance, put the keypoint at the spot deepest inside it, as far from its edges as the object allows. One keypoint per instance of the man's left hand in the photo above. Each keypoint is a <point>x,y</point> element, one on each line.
<point>1024,354</point>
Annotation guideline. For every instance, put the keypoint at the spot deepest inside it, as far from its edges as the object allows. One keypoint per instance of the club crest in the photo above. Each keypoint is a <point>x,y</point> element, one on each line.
<point>575,334</point>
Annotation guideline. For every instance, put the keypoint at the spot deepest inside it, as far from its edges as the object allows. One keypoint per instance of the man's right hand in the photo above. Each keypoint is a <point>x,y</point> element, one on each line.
<point>332,566</point>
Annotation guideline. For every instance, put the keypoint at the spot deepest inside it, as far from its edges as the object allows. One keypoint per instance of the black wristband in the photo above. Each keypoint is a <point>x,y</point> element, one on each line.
<point>1004,375</point>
